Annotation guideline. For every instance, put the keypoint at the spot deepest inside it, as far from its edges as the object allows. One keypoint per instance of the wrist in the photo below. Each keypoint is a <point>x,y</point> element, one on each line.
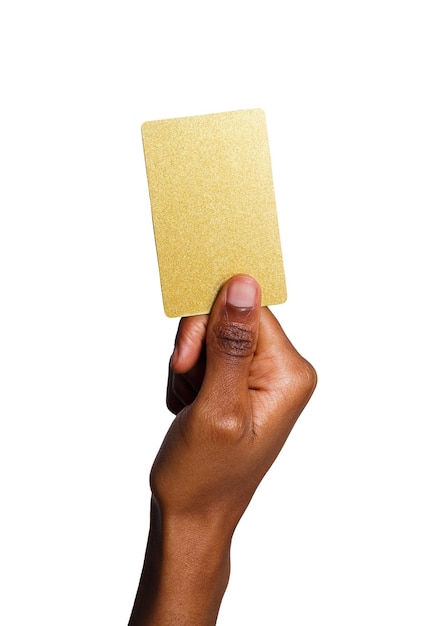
<point>186,570</point>
<point>204,535</point>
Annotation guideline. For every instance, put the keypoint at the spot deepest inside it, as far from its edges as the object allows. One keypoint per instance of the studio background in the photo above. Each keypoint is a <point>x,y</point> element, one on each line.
<point>349,526</point>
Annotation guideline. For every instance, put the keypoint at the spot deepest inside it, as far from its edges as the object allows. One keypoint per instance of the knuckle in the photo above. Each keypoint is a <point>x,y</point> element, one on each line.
<point>306,376</point>
<point>299,378</point>
<point>310,376</point>
<point>227,421</point>
<point>235,339</point>
<point>228,428</point>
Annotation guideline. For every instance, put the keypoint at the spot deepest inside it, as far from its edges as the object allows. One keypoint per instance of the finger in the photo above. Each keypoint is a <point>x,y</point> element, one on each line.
<point>173,400</point>
<point>182,389</point>
<point>232,335</point>
<point>189,342</point>
<point>180,392</point>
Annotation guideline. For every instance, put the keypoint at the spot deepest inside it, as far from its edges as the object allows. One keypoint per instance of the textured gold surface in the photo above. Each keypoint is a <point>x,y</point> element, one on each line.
<point>213,207</point>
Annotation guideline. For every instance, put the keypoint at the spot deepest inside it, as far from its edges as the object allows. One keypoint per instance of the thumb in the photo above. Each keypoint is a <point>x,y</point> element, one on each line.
<point>232,335</point>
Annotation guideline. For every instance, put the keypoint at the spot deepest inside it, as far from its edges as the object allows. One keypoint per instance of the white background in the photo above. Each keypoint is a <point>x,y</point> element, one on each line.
<point>350,526</point>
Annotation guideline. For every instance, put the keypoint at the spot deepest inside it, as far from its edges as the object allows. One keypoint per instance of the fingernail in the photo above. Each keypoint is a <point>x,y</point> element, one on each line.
<point>242,294</point>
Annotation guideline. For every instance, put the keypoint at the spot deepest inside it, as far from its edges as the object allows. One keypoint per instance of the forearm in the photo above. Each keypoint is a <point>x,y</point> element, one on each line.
<point>185,572</point>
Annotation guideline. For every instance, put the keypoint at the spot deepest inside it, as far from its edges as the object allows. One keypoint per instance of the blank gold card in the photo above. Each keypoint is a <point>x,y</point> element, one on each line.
<point>213,207</point>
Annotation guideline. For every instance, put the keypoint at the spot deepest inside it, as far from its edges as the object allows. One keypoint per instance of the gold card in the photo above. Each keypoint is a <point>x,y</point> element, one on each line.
<point>213,207</point>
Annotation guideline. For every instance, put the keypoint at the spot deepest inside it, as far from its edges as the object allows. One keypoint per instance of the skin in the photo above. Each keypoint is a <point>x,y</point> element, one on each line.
<point>237,387</point>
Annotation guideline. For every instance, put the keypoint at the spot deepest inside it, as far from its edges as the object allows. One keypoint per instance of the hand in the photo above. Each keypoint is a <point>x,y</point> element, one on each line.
<point>238,398</point>
<point>237,386</point>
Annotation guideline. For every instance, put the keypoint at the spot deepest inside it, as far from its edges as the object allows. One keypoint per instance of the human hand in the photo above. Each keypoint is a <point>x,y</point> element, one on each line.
<point>238,386</point>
